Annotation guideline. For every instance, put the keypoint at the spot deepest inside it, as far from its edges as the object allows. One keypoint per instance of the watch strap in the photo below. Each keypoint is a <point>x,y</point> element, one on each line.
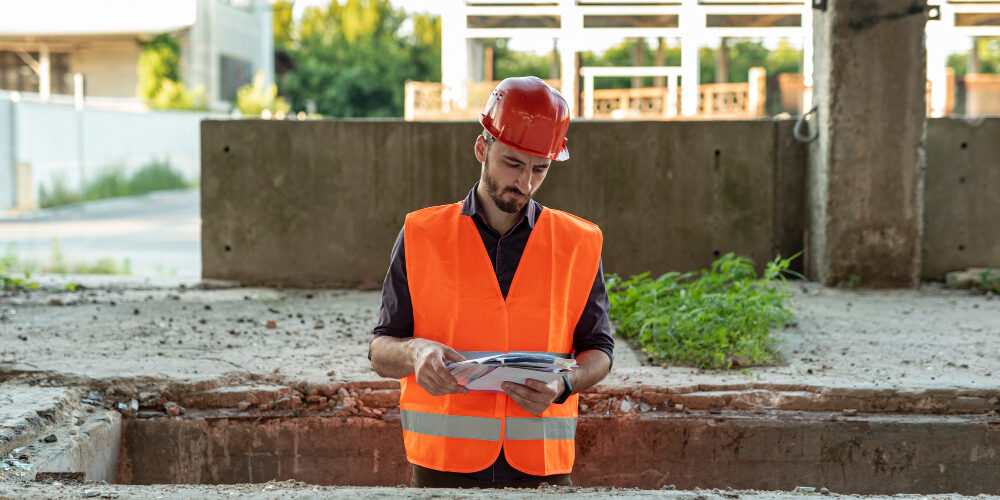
<point>567,391</point>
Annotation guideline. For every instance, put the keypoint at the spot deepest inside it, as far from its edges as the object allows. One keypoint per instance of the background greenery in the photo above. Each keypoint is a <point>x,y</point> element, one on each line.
<point>721,317</point>
<point>112,182</point>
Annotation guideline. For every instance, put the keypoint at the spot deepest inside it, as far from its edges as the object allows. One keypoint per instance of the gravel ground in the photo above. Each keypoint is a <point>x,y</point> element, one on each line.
<point>121,330</point>
<point>294,489</point>
<point>116,330</point>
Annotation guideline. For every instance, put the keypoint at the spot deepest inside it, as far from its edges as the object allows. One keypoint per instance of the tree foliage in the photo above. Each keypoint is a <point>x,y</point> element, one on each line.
<point>160,85</point>
<point>254,98</point>
<point>353,57</point>
<point>282,23</point>
<point>989,58</point>
<point>158,61</point>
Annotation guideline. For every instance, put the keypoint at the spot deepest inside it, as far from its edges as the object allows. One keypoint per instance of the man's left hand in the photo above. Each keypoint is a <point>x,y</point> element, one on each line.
<point>534,396</point>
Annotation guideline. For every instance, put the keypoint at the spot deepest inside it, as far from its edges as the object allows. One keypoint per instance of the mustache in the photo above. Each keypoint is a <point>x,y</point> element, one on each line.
<point>514,190</point>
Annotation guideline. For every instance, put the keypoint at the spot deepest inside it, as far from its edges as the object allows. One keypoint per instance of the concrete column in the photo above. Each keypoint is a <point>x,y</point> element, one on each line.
<point>660,81</point>
<point>8,154</point>
<point>44,73</point>
<point>865,177</point>
<point>213,89</point>
<point>692,27</point>
<point>571,30</point>
<point>454,53</point>
<point>807,57</point>
<point>939,33</point>
<point>265,18</point>
<point>722,62</point>
<point>638,59</point>
<point>973,58</point>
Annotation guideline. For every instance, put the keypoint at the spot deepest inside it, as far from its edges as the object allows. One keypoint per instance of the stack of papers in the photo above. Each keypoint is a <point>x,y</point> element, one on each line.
<point>487,373</point>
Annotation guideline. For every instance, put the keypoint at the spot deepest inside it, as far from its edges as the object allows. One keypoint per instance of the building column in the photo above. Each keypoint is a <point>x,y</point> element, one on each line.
<point>454,55</point>
<point>660,81</point>
<point>722,61</point>
<point>44,73</point>
<point>8,163</point>
<point>692,26</point>
<point>939,33</point>
<point>865,177</point>
<point>807,57</point>
<point>266,19</point>
<point>571,30</point>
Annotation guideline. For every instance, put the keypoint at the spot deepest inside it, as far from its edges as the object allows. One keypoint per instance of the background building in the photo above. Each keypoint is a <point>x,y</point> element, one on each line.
<point>43,43</point>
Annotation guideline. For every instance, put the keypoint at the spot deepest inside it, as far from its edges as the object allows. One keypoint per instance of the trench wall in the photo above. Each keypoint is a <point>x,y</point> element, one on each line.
<point>319,203</point>
<point>873,454</point>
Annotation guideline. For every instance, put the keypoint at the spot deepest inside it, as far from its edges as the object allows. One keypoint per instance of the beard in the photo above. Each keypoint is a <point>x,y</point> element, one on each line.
<point>513,206</point>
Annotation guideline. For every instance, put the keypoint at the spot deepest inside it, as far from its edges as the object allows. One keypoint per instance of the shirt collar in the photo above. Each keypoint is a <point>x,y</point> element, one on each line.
<point>470,207</point>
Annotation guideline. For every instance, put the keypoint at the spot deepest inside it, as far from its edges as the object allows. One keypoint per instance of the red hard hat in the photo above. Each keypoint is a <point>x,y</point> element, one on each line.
<point>528,115</point>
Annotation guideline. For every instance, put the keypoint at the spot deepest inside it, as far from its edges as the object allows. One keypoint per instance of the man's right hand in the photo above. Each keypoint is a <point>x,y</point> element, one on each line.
<point>429,368</point>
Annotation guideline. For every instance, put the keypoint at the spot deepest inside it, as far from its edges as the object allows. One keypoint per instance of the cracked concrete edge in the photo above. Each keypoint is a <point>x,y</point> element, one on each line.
<point>86,438</point>
<point>231,389</point>
<point>28,412</point>
<point>266,393</point>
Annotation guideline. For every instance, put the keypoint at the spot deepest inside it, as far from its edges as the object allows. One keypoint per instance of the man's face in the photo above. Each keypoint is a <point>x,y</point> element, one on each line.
<point>510,176</point>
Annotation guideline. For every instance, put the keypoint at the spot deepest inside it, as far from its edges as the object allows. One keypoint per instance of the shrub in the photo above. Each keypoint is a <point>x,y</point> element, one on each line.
<point>59,195</point>
<point>254,98</point>
<point>717,318</point>
<point>155,176</point>
<point>111,183</point>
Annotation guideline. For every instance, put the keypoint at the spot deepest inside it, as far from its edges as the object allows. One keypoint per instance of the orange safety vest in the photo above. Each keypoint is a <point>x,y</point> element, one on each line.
<point>457,302</point>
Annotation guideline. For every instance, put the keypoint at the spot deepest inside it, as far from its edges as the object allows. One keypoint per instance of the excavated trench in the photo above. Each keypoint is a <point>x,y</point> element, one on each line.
<point>649,438</point>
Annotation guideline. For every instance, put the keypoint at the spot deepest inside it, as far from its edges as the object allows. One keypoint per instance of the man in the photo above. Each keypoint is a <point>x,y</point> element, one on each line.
<point>496,273</point>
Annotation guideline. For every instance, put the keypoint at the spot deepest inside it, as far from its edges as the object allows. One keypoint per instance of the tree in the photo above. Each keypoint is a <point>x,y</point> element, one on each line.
<point>989,58</point>
<point>353,58</point>
<point>252,99</point>
<point>281,15</point>
<point>158,61</point>
<point>159,76</point>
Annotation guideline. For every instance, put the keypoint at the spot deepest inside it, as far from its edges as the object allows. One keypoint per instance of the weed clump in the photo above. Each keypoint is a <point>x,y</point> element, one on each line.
<point>716,318</point>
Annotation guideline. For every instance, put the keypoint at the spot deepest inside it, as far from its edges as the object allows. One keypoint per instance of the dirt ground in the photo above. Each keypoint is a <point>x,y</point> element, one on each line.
<point>124,330</point>
<point>133,333</point>
<point>294,489</point>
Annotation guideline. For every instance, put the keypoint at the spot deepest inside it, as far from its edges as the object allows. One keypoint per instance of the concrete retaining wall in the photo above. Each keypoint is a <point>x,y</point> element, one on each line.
<point>319,203</point>
<point>868,454</point>
<point>961,195</point>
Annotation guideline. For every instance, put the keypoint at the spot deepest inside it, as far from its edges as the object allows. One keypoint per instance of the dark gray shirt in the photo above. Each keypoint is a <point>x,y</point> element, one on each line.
<point>395,317</point>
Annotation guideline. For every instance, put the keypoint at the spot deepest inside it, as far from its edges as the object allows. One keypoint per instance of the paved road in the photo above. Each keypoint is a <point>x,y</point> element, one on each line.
<point>160,233</point>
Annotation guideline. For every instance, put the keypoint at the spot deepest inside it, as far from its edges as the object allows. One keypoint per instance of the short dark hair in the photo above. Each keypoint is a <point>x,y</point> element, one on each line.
<point>489,139</point>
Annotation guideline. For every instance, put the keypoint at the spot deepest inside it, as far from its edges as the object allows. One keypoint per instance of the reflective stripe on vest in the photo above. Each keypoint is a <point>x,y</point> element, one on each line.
<point>487,429</point>
<point>456,426</point>
<point>519,428</point>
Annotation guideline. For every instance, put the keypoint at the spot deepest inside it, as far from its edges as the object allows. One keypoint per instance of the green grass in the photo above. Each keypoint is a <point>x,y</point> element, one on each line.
<point>58,195</point>
<point>113,182</point>
<point>8,281</point>
<point>58,264</point>
<point>156,176</point>
<point>991,280</point>
<point>716,318</point>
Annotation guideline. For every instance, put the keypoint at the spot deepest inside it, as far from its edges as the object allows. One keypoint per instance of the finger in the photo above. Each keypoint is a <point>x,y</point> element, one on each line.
<point>523,392</point>
<point>444,377</point>
<point>452,354</point>
<point>538,385</point>
<point>526,404</point>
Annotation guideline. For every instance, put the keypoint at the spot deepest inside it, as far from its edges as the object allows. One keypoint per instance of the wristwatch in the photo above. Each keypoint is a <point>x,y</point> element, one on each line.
<point>567,390</point>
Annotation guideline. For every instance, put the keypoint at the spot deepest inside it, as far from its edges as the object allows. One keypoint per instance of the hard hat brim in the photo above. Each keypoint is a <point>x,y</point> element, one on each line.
<point>561,155</point>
